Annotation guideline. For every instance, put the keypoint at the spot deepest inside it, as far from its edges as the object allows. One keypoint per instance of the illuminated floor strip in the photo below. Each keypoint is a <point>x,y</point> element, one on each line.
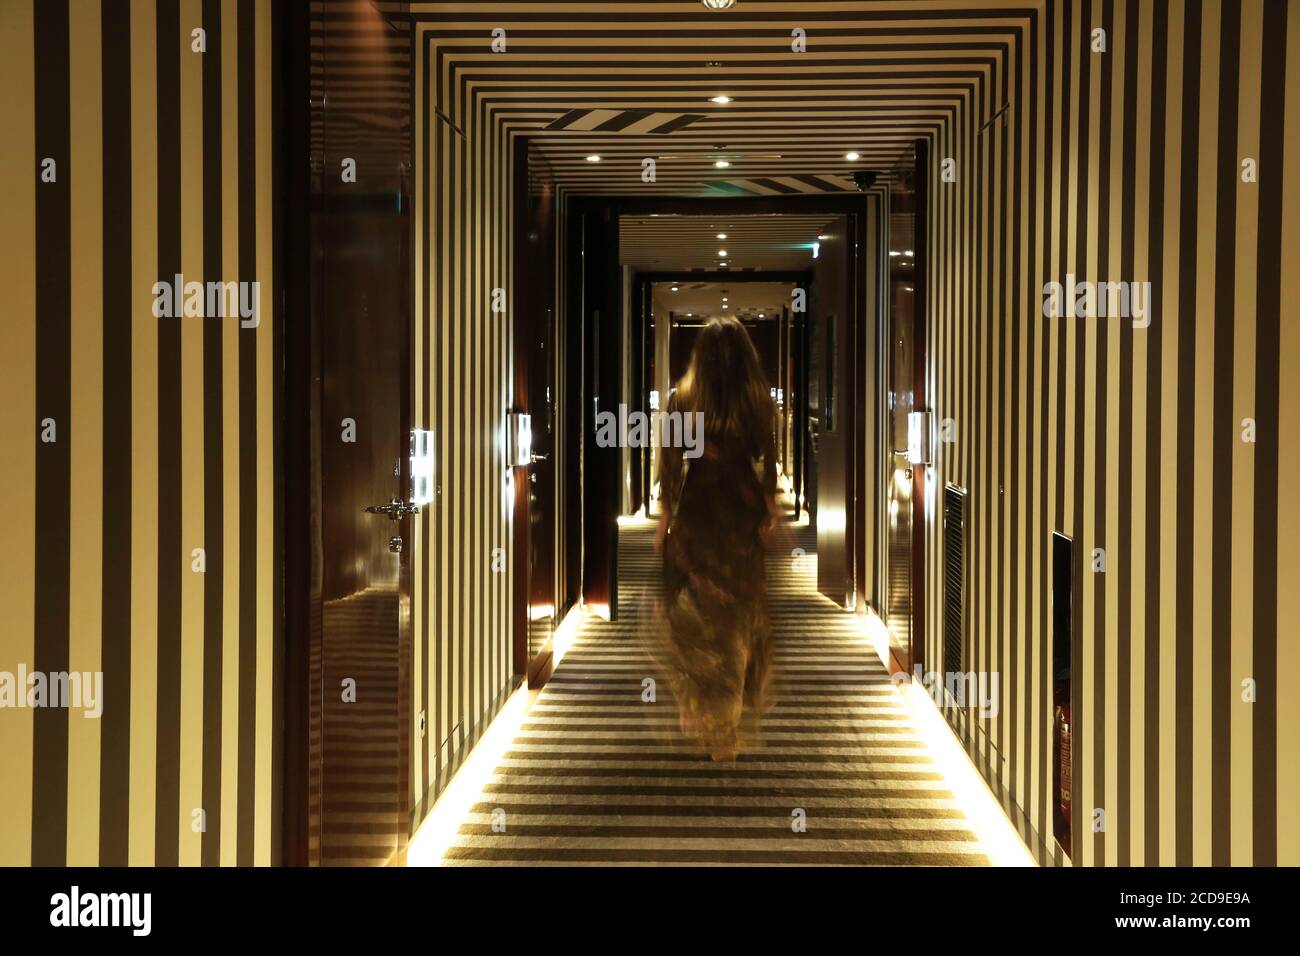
<point>594,775</point>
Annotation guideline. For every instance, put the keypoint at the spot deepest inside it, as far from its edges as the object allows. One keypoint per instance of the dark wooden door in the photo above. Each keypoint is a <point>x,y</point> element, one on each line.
<point>365,556</point>
<point>361,278</point>
<point>905,365</point>
<point>536,393</point>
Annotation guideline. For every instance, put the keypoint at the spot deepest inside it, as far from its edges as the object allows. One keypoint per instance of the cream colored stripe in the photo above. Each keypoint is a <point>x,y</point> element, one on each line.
<point>193,490</point>
<point>18,419</point>
<point>1202,730</point>
<point>1288,418</point>
<point>230,436</point>
<point>793,845</point>
<point>265,801</point>
<point>1041,716</point>
<point>1114,329</point>
<point>592,120</point>
<point>1241,819</point>
<point>1089,854</point>
<point>653,121</point>
<point>144,434</point>
<point>87,433</point>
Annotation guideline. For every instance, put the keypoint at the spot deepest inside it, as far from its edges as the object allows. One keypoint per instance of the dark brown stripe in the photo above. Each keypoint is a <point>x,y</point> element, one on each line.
<point>1223,699</point>
<point>1045,524</point>
<point>53,402</point>
<point>213,477</point>
<point>1154,386</point>
<point>563,122</point>
<point>702,810</point>
<point>246,56</point>
<point>173,553</point>
<point>680,122</point>
<point>711,773</point>
<point>1268,310</point>
<point>115,723</point>
<point>622,121</point>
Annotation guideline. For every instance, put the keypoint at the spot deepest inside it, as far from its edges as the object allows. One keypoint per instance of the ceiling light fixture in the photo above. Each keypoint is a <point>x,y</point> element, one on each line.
<point>593,158</point>
<point>852,157</point>
<point>721,164</point>
<point>721,100</point>
<point>722,253</point>
<point>719,4</point>
<point>674,288</point>
<point>722,235</point>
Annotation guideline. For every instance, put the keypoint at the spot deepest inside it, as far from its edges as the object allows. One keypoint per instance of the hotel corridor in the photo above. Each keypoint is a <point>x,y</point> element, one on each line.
<point>599,776</point>
<point>356,354</point>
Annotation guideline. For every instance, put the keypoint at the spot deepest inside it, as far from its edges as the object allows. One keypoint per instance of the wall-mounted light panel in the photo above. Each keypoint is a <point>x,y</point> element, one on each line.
<point>421,466</point>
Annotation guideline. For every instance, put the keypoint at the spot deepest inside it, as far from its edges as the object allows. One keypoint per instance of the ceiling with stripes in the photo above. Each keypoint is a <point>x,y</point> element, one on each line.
<point>670,97</point>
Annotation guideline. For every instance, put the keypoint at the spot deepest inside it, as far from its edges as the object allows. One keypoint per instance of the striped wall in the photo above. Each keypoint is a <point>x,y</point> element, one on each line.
<point>1126,165</point>
<point>165,432</point>
<point>463,572</point>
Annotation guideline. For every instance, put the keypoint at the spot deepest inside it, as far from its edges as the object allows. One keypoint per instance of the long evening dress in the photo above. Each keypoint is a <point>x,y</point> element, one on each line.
<point>716,627</point>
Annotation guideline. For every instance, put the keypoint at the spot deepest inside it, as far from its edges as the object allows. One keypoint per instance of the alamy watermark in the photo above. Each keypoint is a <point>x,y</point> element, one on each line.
<point>963,689</point>
<point>208,300</point>
<point>639,430</point>
<point>1086,299</point>
<point>75,690</point>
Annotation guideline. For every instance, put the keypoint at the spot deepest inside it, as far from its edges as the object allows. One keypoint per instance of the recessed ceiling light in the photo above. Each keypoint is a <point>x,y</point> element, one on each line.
<point>852,157</point>
<point>725,299</point>
<point>674,288</point>
<point>721,100</point>
<point>719,4</point>
<point>593,158</point>
<point>725,306</point>
<point>721,164</point>
<point>722,235</point>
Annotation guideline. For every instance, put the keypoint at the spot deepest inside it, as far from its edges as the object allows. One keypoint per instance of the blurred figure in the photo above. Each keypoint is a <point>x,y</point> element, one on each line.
<point>718,512</point>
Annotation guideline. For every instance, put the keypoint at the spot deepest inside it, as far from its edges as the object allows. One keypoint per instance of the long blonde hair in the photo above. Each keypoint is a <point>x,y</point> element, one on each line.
<point>725,381</point>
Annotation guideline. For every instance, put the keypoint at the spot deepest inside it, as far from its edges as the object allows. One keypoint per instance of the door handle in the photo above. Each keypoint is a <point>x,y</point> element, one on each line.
<point>395,509</point>
<point>537,458</point>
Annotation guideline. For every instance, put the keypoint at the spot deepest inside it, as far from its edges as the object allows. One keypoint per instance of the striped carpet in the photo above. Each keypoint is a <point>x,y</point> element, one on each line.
<point>598,776</point>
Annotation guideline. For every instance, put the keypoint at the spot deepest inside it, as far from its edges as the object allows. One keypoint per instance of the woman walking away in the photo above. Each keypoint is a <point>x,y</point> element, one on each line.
<point>718,510</point>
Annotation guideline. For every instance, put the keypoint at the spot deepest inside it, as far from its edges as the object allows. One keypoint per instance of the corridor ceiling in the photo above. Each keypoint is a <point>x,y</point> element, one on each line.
<point>634,81</point>
<point>763,243</point>
<point>744,300</point>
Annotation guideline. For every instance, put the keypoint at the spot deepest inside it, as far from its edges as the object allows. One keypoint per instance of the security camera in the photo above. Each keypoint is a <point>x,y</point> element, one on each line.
<point>865,178</point>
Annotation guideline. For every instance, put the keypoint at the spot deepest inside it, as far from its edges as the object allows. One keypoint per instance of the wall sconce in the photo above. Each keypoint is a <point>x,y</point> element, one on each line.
<point>519,438</point>
<point>421,466</point>
<point>918,438</point>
